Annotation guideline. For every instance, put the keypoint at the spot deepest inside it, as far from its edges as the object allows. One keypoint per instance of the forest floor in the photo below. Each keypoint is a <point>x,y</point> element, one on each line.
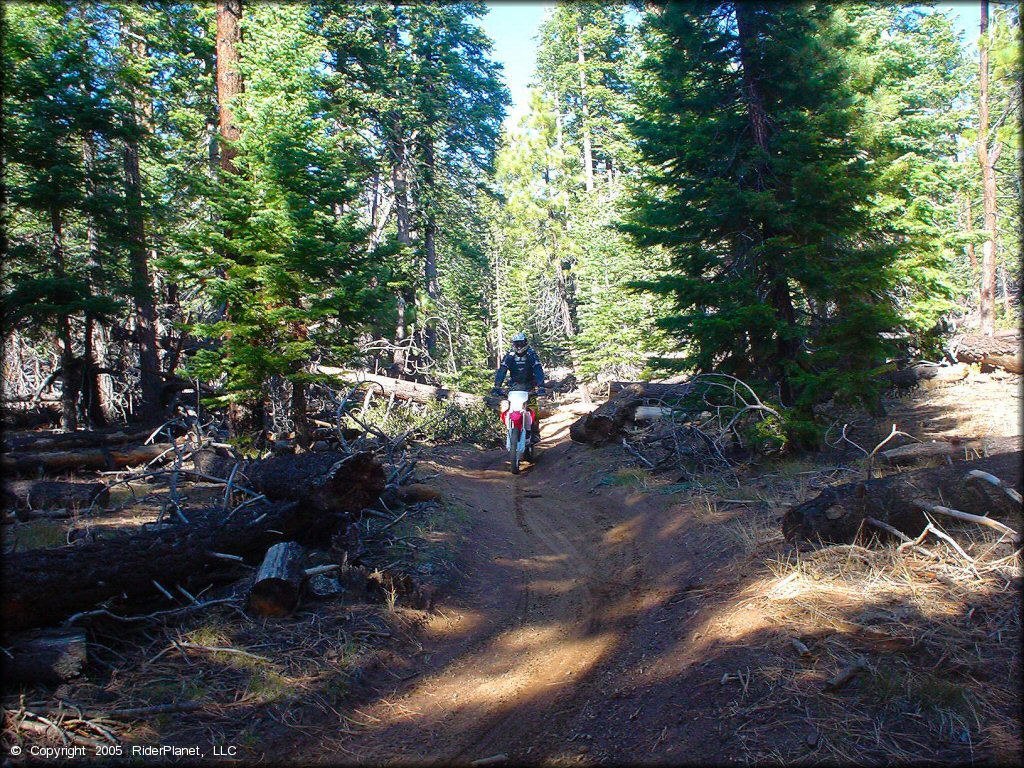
<point>610,616</point>
<point>588,612</point>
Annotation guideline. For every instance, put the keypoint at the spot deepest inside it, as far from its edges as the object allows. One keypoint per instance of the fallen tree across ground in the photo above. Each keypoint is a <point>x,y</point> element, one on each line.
<point>954,450</point>
<point>836,515</point>
<point>409,390</point>
<point>312,497</point>
<point>23,495</point>
<point>1001,350</point>
<point>327,481</point>
<point>53,462</point>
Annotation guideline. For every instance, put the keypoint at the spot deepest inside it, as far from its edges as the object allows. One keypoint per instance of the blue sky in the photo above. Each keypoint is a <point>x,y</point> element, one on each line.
<point>513,27</point>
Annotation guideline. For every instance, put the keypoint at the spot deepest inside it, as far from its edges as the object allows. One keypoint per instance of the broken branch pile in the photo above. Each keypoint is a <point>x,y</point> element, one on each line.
<point>699,421</point>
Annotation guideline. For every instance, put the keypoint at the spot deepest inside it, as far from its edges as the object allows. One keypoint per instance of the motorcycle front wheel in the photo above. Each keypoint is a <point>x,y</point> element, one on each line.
<point>514,449</point>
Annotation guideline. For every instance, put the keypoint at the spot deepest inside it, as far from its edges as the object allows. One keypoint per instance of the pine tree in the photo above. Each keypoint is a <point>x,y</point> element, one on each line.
<point>754,185</point>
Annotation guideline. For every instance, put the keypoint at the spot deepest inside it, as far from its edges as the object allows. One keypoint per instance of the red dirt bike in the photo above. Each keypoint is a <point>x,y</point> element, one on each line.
<point>518,421</point>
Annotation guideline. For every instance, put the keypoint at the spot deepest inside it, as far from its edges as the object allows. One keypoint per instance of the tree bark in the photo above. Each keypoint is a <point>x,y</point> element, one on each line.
<point>999,350</point>
<point>429,243</point>
<point>987,159</point>
<point>141,282</point>
<point>229,78</point>
<point>45,586</point>
<point>409,390</point>
<point>588,154</point>
<point>961,450</point>
<point>835,515</point>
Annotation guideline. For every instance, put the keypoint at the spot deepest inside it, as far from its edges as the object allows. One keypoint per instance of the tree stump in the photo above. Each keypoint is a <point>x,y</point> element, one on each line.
<point>275,591</point>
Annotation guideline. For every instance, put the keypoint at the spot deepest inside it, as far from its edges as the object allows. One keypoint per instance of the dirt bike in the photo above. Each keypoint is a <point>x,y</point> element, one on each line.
<point>518,420</point>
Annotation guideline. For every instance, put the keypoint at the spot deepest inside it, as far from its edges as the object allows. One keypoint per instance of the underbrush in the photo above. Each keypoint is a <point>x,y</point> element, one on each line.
<point>436,423</point>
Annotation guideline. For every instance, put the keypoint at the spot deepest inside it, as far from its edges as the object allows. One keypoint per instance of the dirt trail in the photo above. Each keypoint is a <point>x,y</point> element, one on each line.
<point>569,634</point>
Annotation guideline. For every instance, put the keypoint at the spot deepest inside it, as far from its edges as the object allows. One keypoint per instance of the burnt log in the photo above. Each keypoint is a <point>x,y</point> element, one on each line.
<point>275,591</point>
<point>836,514</point>
<point>926,376</point>
<point>325,481</point>
<point>23,495</point>
<point>1001,350</point>
<point>94,458</point>
<point>46,658</point>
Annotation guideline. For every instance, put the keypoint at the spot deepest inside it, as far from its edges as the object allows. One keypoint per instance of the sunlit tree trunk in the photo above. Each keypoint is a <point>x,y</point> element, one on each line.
<point>588,154</point>
<point>987,158</point>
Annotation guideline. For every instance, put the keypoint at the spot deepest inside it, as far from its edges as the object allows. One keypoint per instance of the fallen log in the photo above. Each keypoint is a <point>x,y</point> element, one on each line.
<point>608,421</point>
<point>44,586</point>
<point>1001,350</point>
<point>836,514</point>
<point>926,376</point>
<point>958,450</point>
<point>275,591</point>
<point>22,495</point>
<point>51,441</point>
<point>409,390</point>
<point>325,481</point>
<point>47,658</point>
<point>95,458</point>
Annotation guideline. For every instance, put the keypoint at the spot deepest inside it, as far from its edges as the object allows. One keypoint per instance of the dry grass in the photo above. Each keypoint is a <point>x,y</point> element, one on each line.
<point>939,644</point>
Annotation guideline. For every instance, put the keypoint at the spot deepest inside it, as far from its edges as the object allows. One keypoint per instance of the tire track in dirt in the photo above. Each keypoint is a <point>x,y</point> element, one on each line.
<point>530,633</point>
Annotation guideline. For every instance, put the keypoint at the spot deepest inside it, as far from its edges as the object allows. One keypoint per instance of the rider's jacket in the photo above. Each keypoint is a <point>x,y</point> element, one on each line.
<point>524,370</point>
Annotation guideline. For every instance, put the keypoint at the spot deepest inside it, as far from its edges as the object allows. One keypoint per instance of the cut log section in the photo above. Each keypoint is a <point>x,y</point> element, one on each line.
<point>325,481</point>
<point>23,495</point>
<point>409,390</point>
<point>836,514</point>
<point>1001,350</point>
<point>94,458</point>
<point>275,591</point>
<point>960,450</point>
<point>47,658</point>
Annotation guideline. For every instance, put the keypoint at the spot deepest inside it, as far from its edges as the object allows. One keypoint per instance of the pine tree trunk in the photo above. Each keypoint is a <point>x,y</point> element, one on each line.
<point>430,244</point>
<point>781,300</point>
<point>588,156</point>
<point>987,159</point>
<point>94,406</point>
<point>138,256</point>
<point>229,78</point>
<point>69,379</point>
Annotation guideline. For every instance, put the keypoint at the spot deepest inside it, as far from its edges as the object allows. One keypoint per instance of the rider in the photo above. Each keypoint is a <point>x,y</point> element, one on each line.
<point>525,371</point>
